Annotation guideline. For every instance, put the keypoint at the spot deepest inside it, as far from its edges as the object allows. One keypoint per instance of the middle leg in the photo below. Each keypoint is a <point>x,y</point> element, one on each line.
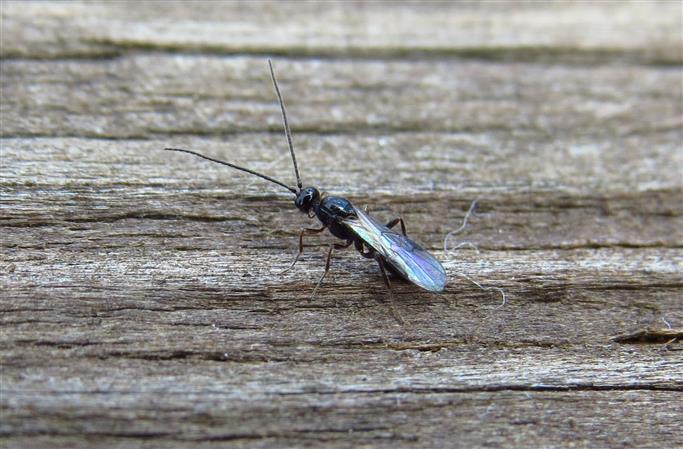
<point>394,222</point>
<point>370,253</point>
<point>385,276</point>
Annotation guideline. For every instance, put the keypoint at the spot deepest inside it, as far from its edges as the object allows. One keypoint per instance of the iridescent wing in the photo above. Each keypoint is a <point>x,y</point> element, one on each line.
<point>408,258</point>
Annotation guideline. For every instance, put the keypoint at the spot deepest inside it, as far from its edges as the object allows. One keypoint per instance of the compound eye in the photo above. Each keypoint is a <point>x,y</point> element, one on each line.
<point>306,198</point>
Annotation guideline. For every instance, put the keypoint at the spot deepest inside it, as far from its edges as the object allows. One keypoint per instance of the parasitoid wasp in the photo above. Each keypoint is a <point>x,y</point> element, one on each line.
<point>393,251</point>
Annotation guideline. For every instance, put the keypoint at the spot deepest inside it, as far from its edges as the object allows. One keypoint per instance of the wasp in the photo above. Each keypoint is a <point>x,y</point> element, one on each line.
<point>393,251</point>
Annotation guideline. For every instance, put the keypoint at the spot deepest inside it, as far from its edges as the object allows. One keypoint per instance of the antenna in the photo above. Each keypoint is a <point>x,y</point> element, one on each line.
<point>267,178</point>
<point>288,132</point>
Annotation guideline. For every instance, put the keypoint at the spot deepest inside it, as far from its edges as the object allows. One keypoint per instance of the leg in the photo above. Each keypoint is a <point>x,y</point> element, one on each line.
<point>383,269</point>
<point>327,263</point>
<point>395,221</point>
<point>369,254</point>
<point>305,231</point>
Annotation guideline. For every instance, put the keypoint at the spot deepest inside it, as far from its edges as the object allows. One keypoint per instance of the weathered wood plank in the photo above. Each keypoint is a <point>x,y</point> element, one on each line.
<point>642,32</point>
<point>499,419</point>
<point>141,301</point>
<point>213,95</point>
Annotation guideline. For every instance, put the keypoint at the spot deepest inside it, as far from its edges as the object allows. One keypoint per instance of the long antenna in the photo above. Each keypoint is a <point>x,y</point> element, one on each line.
<point>267,178</point>
<point>288,132</point>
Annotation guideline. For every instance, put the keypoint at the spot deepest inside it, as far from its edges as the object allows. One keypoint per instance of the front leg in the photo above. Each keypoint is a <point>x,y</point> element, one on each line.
<point>327,263</point>
<point>305,231</point>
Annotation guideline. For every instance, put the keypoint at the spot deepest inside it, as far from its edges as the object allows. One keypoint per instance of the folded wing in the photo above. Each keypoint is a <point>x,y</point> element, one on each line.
<point>408,258</point>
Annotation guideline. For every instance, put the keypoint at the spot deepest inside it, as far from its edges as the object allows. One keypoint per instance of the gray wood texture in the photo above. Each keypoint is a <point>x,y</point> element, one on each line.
<point>142,304</point>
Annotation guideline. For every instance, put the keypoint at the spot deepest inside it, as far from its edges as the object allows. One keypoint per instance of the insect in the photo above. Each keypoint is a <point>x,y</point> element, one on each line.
<point>393,251</point>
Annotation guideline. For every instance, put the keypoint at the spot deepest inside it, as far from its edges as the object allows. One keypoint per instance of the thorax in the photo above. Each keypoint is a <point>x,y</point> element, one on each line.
<point>331,211</point>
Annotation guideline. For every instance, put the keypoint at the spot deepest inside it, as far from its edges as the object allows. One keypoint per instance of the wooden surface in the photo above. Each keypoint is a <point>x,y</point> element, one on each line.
<point>141,300</point>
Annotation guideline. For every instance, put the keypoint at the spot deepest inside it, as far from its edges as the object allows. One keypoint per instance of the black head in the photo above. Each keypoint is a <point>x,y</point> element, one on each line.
<point>307,198</point>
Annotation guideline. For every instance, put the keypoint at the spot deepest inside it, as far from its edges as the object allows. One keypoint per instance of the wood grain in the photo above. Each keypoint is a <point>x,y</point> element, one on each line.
<point>142,301</point>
